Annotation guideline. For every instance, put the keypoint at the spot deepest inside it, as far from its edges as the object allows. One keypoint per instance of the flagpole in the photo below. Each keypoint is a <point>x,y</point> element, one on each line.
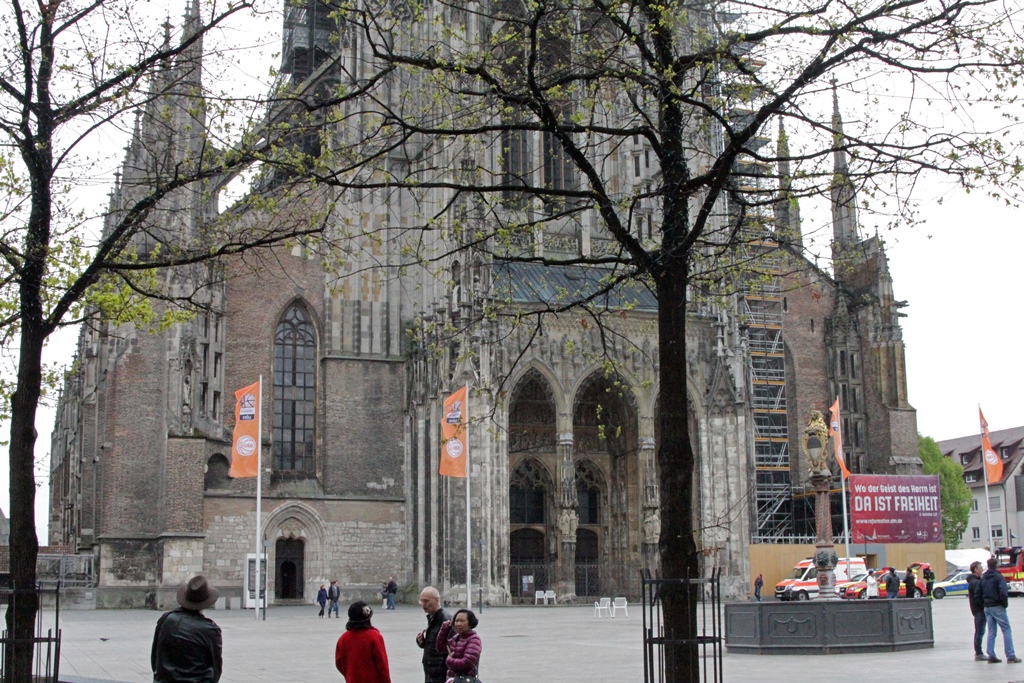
<point>846,526</point>
<point>843,469</point>
<point>984,473</point>
<point>259,493</point>
<point>469,544</point>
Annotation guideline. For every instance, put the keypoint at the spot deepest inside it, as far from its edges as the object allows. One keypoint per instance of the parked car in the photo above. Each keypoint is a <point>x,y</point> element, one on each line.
<point>803,582</point>
<point>859,590</point>
<point>857,578</point>
<point>954,584</point>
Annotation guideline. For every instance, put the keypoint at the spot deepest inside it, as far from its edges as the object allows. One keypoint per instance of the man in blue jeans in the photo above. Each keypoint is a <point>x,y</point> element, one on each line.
<point>996,598</point>
<point>333,595</point>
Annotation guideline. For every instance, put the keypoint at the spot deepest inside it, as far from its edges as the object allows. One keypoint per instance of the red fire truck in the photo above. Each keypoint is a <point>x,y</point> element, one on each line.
<point>1011,566</point>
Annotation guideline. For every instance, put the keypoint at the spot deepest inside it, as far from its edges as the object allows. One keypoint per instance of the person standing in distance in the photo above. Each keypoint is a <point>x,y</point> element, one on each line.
<point>910,583</point>
<point>187,646</point>
<point>390,590</point>
<point>758,584</point>
<point>977,609</point>
<point>996,598</point>
<point>872,583</point>
<point>434,667</point>
<point>321,598</point>
<point>892,584</point>
<point>333,596</point>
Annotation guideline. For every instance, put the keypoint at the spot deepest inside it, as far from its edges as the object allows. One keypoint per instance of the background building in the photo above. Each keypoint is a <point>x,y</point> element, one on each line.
<point>1005,497</point>
<point>356,361</point>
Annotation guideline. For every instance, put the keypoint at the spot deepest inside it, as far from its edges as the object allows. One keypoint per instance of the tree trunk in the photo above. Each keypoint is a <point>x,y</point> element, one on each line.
<point>34,331</point>
<point>676,462</point>
<point>23,542</point>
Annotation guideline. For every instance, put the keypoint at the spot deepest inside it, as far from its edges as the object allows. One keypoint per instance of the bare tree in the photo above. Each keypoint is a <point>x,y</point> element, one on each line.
<point>81,75</point>
<point>651,122</point>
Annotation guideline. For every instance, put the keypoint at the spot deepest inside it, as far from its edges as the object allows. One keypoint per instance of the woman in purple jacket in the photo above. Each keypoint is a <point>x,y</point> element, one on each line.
<point>463,647</point>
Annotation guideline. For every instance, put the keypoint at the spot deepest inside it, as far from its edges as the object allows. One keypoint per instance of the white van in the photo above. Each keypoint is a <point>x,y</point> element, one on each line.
<point>802,584</point>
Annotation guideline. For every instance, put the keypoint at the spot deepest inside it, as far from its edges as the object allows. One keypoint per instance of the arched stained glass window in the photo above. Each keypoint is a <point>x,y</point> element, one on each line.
<point>294,394</point>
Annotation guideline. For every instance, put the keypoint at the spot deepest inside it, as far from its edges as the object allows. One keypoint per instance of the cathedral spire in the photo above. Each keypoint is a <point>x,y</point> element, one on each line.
<point>787,209</point>
<point>844,197</point>
<point>191,59</point>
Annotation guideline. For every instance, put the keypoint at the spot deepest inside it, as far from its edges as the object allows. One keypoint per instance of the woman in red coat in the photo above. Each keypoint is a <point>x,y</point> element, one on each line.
<point>360,655</point>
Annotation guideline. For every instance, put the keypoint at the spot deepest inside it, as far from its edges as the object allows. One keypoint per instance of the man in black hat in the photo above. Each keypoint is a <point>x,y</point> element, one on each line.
<point>187,646</point>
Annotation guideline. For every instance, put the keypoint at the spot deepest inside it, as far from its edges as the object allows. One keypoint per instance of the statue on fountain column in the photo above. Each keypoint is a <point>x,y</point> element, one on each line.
<point>813,445</point>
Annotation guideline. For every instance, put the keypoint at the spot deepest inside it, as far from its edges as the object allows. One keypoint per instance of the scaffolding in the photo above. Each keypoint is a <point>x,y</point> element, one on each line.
<point>773,490</point>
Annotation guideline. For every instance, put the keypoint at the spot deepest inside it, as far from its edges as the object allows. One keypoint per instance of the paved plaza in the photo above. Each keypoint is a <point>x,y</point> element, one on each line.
<point>525,643</point>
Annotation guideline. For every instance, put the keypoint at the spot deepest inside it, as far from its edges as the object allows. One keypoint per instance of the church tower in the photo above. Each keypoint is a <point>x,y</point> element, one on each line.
<point>844,197</point>
<point>866,356</point>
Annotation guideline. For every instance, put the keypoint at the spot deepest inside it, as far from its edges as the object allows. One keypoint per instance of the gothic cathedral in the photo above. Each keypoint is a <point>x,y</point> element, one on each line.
<point>355,364</point>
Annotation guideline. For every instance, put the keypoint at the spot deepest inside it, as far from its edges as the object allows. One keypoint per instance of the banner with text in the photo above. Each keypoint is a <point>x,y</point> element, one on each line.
<point>895,509</point>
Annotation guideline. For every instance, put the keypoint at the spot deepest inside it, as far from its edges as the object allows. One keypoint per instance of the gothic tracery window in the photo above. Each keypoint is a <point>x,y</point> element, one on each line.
<point>527,493</point>
<point>294,394</point>
<point>588,491</point>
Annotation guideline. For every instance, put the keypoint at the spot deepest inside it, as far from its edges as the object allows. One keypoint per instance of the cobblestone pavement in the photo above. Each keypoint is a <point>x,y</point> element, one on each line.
<point>520,644</point>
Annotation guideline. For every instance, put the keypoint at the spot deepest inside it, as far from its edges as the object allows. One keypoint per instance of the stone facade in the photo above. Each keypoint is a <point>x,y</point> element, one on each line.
<point>357,356</point>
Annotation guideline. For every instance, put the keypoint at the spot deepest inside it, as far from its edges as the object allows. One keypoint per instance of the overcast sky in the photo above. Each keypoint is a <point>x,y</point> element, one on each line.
<point>964,329</point>
<point>963,332</point>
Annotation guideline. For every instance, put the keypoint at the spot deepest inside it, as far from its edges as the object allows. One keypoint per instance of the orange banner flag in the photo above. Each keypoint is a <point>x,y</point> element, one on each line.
<point>837,439</point>
<point>454,432</point>
<point>245,442</point>
<point>993,463</point>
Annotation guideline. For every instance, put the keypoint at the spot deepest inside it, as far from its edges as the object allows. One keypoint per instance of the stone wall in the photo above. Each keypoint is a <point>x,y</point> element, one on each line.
<point>360,543</point>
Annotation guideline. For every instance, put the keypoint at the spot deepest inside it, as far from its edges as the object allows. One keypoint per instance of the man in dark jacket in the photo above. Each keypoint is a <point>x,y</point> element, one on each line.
<point>892,584</point>
<point>909,584</point>
<point>996,598</point>
<point>434,667</point>
<point>187,646</point>
<point>977,608</point>
<point>333,597</point>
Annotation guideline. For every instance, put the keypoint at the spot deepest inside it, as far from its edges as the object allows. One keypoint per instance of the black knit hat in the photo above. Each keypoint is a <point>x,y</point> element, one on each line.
<point>359,612</point>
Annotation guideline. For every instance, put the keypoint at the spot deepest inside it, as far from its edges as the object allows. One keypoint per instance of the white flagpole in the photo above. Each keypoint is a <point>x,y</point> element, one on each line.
<point>984,473</point>
<point>259,492</point>
<point>469,546</point>
<point>846,525</point>
<point>842,483</point>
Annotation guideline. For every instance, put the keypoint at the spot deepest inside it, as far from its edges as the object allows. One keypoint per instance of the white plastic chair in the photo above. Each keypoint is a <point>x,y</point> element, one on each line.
<point>619,604</point>
<point>603,605</point>
<point>538,596</point>
<point>549,595</point>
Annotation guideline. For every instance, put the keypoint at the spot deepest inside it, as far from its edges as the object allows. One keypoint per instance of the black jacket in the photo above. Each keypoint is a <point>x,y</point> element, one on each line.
<point>187,648</point>
<point>993,589</point>
<point>892,584</point>
<point>434,667</point>
<point>974,594</point>
<point>910,581</point>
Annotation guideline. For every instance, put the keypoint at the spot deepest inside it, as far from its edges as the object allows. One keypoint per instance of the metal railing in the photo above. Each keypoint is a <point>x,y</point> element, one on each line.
<point>45,644</point>
<point>66,570</point>
<point>539,575</point>
<point>701,646</point>
<point>588,579</point>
